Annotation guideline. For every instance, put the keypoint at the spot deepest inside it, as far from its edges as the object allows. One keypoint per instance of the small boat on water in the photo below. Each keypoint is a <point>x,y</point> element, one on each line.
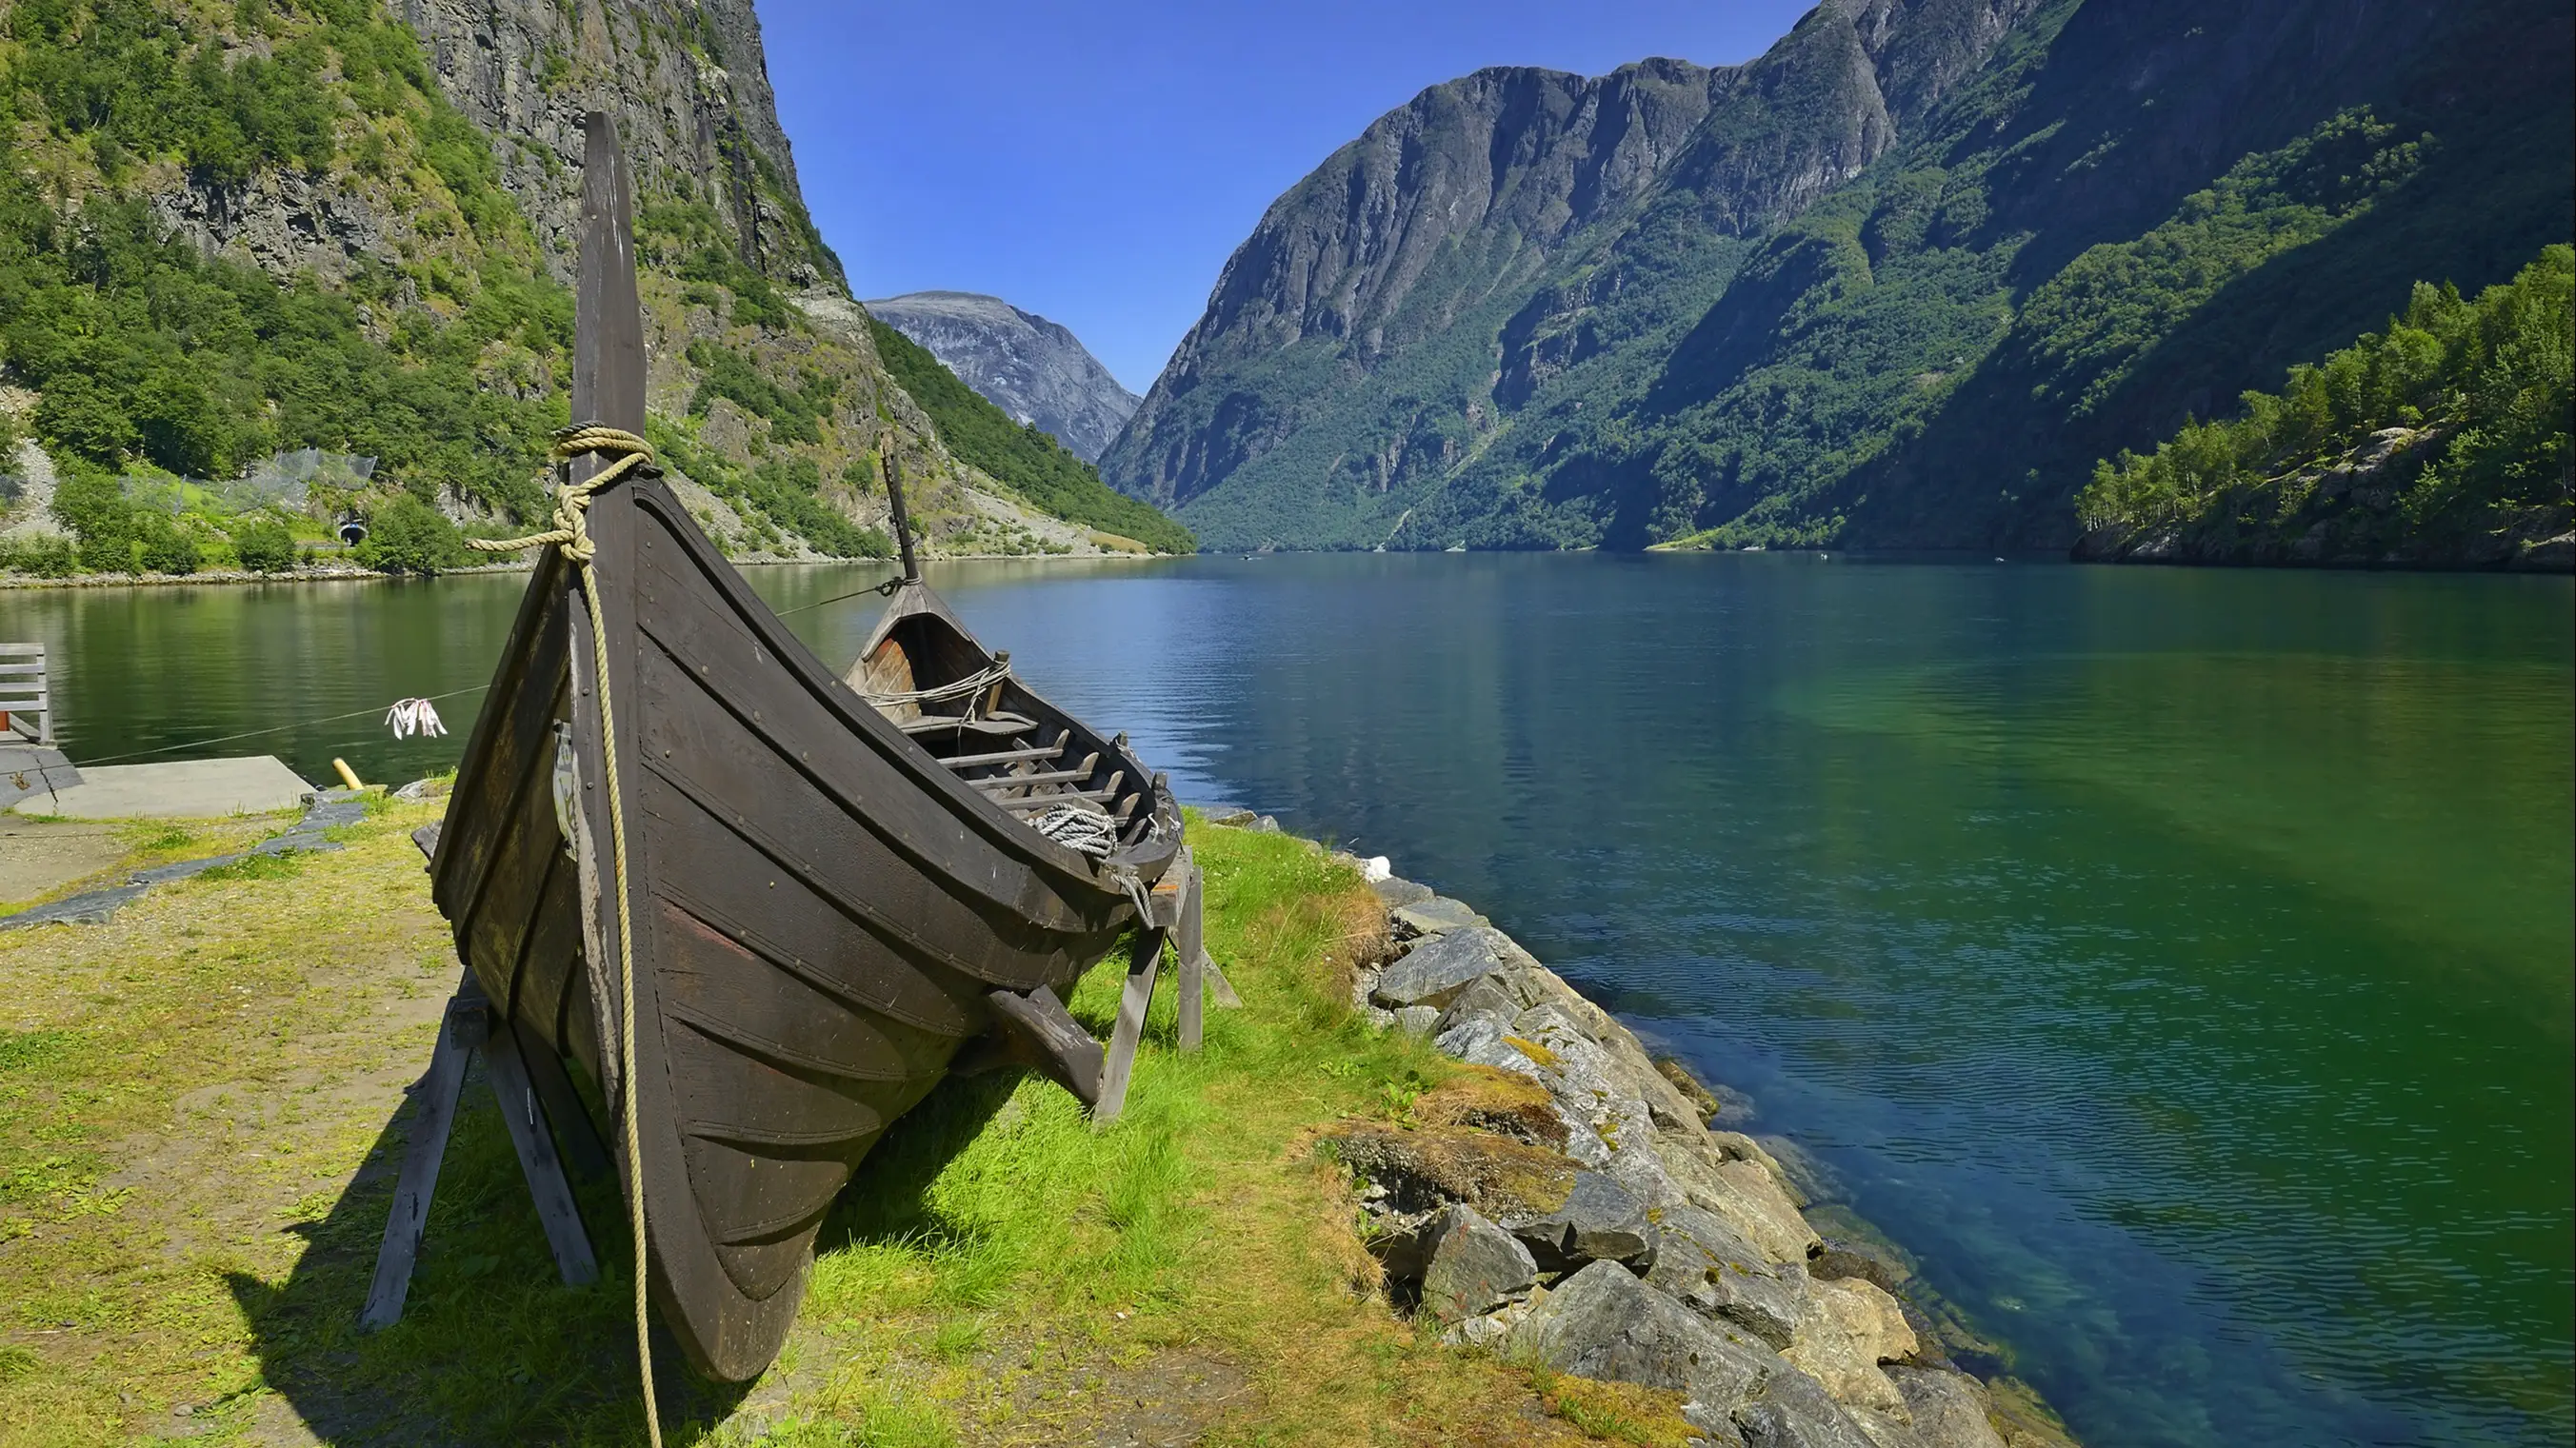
<point>829,888</point>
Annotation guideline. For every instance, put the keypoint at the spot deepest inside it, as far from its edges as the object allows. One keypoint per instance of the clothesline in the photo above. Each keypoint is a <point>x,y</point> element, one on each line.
<point>282,728</point>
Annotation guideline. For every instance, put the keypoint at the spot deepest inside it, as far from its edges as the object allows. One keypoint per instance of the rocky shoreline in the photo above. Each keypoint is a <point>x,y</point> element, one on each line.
<point>1571,1204</point>
<point>236,575</point>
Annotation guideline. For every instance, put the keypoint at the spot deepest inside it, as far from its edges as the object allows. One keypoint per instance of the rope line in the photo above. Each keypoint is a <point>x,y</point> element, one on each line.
<point>974,683</point>
<point>628,454</point>
<point>881,590</point>
<point>369,711</point>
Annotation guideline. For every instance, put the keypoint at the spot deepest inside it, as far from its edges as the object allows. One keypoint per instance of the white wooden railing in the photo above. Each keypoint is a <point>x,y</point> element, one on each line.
<point>26,703</point>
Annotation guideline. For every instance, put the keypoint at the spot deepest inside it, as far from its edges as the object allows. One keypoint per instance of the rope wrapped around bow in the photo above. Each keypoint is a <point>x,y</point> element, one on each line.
<point>628,456</point>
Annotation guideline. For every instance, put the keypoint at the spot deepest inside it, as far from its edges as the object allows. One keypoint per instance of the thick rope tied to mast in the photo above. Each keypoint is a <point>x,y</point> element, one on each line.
<point>627,456</point>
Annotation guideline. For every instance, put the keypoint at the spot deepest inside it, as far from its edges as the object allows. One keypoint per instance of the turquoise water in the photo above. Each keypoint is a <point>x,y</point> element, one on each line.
<point>2177,962</point>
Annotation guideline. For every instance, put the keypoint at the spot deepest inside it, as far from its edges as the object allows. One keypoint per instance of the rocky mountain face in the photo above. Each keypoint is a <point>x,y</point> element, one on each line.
<point>1033,369</point>
<point>688,83</point>
<point>1898,281</point>
<point>418,162</point>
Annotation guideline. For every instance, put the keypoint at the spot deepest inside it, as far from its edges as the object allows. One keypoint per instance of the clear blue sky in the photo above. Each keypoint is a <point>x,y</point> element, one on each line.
<point>1096,163</point>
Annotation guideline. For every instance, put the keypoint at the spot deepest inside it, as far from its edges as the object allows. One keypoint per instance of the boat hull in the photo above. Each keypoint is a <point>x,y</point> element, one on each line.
<point>818,908</point>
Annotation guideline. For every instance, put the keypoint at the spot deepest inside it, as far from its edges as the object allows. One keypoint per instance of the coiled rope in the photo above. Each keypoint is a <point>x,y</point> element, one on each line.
<point>627,455</point>
<point>1082,830</point>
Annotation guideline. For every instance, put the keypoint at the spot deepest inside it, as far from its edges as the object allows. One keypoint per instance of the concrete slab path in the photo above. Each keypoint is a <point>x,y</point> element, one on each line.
<point>184,789</point>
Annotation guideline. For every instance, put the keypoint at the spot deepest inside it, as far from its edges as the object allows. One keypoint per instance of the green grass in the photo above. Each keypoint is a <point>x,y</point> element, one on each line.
<point>201,1110</point>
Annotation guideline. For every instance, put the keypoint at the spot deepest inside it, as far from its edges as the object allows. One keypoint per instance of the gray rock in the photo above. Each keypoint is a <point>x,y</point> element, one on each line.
<point>1713,1271</point>
<point>1475,1268</point>
<point>1603,1323</point>
<point>1233,819</point>
<point>1379,1018</point>
<point>1266,825</point>
<point>421,791</point>
<point>1747,1197</point>
<point>1434,915</point>
<point>1485,1041</point>
<point>1417,1020</point>
<point>1398,893</point>
<point>1598,1222</point>
<point>1435,971</point>
<point>1596,1096</point>
<point>1485,996</point>
<point>1489,1331</point>
<point>1948,1409</point>
<point>1717,1426</point>
<point>1792,1410</point>
<point>1846,1329</point>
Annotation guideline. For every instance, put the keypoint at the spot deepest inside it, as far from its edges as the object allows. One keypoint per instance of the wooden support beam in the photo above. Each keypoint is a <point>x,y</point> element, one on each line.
<point>531,1086</point>
<point>537,1160</point>
<point>1132,1001</point>
<point>1187,944</point>
<point>433,1117</point>
<point>1040,1033</point>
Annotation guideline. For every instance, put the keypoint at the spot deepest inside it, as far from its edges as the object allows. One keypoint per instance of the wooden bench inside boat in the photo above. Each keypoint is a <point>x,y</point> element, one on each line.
<point>997,724</point>
<point>1026,776</point>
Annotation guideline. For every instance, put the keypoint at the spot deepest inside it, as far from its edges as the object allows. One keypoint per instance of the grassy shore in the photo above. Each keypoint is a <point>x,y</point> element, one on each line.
<point>202,1110</point>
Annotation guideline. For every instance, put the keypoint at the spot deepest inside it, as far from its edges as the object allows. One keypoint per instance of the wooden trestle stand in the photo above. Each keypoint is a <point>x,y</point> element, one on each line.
<point>1180,915</point>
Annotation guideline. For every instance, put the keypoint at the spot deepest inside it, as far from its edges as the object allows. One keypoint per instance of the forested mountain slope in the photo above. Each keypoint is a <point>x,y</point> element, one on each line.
<point>1901,281</point>
<point>274,224</point>
<point>2443,439</point>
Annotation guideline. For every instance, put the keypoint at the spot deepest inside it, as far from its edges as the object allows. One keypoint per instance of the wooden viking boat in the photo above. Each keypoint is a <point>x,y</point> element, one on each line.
<point>829,894</point>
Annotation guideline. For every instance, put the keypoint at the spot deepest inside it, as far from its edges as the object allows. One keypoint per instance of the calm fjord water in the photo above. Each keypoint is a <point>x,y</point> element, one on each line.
<point>2177,962</point>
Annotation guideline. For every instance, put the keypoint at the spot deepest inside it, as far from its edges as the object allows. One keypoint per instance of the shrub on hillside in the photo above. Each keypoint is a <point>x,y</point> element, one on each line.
<point>263,545</point>
<point>406,535</point>
<point>165,546</point>
<point>46,555</point>
<point>95,510</point>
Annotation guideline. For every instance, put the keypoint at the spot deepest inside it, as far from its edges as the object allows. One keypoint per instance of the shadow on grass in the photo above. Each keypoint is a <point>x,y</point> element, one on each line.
<point>492,1346</point>
<point>888,1201</point>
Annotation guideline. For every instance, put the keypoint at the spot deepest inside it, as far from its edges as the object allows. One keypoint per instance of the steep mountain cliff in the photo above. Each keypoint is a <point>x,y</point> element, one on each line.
<point>1899,281</point>
<point>276,224</point>
<point>1033,369</point>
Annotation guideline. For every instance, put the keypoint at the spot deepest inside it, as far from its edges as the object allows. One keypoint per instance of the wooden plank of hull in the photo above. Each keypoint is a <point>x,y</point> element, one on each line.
<point>698,610</point>
<point>819,910</point>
